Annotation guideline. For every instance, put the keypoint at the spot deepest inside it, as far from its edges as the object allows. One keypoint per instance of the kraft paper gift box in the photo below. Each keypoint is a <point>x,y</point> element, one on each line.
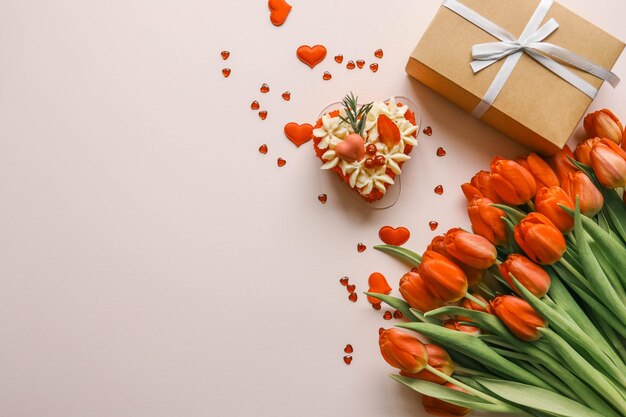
<point>535,106</point>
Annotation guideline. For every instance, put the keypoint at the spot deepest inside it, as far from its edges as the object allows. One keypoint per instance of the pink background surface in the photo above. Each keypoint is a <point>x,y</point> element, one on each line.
<point>152,262</point>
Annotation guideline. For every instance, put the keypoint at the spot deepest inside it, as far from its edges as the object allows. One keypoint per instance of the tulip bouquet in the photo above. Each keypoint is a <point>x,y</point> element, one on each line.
<point>527,315</point>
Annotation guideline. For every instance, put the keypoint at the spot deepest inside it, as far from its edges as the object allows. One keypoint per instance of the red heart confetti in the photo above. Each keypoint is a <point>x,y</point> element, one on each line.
<point>378,53</point>
<point>311,55</point>
<point>279,10</point>
<point>394,236</point>
<point>378,284</point>
<point>298,134</point>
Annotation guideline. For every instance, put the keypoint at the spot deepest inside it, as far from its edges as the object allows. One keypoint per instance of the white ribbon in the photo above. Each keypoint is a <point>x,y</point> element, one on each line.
<point>531,43</point>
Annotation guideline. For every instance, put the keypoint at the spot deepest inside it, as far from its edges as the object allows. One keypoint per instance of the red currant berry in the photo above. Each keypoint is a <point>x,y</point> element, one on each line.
<point>369,163</point>
<point>371,149</point>
<point>380,160</point>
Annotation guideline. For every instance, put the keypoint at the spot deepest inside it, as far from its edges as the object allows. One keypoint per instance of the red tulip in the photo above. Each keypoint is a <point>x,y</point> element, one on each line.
<point>440,408</point>
<point>578,184</point>
<point>548,202</point>
<point>403,350</point>
<point>512,182</point>
<point>444,278</point>
<point>439,359</point>
<point>482,182</point>
<point>487,220</point>
<point>603,124</point>
<point>472,250</point>
<point>609,163</point>
<point>473,275</point>
<point>583,151</point>
<point>465,328</point>
<point>417,294</point>
<point>540,239</point>
<point>518,316</point>
<point>540,170</point>
<point>528,273</point>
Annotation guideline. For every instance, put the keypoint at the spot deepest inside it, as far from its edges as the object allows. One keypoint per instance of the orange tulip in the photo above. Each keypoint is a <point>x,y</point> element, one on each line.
<point>444,278</point>
<point>439,359</point>
<point>473,275</point>
<point>518,316</point>
<point>583,151</point>
<point>609,163</point>
<point>482,182</point>
<point>472,250</point>
<point>465,328</point>
<point>470,305</point>
<point>417,294</point>
<point>487,220</point>
<point>578,184</point>
<point>604,124</point>
<point>561,164</point>
<point>528,273</point>
<point>540,239</point>
<point>440,408</point>
<point>403,350</point>
<point>540,170</point>
<point>470,191</point>
<point>548,202</point>
<point>512,182</point>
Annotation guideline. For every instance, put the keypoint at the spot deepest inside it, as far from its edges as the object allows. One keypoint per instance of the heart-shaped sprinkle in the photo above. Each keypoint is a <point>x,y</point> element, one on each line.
<point>263,149</point>
<point>351,288</point>
<point>286,96</point>
<point>397,314</point>
<point>348,348</point>
<point>281,162</point>
<point>378,53</point>
<point>388,131</point>
<point>376,306</point>
<point>225,55</point>
<point>360,247</point>
<point>387,315</point>
<point>374,67</point>
<point>327,76</point>
<point>347,359</point>
<point>264,88</point>
<point>226,72</point>
<point>339,58</point>
<point>263,114</point>
<point>433,225</point>
<point>350,65</point>
<point>352,148</point>
<point>279,10</point>
<point>428,131</point>
<point>255,105</point>
<point>322,198</point>
<point>378,284</point>
<point>353,297</point>
<point>394,236</point>
<point>298,134</point>
<point>344,281</point>
<point>311,55</point>
<point>360,63</point>
<point>441,151</point>
<point>439,189</point>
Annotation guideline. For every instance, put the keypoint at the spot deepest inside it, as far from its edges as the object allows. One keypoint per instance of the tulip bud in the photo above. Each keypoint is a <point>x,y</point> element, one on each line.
<point>609,163</point>
<point>439,359</point>
<point>465,328</point>
<point>603,124</point>
<point>529,274</point>
<point>540,239</point>
<point>582,153</point>
<point>473,275</point>
<point>470,191</point>
<point>548,202</point>
<point>417,294</point>
<point>473,250</point>
<point>487,220</point>
<point>444,278</point>
<point>441,408</point>
<point>482,182</point>
<point>540,170</point>
<point>512,182</point>
<point>518,316</point>
<point>578,184</point>
<point>403,350</point>
<point>561,164</point>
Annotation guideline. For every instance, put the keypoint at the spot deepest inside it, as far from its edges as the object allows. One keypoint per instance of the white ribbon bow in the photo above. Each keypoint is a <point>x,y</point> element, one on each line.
<point>531,43</point>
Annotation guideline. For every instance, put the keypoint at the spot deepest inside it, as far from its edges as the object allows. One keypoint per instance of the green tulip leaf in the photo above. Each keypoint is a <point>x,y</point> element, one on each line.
<point>537,398</point>
<point>409,256</point>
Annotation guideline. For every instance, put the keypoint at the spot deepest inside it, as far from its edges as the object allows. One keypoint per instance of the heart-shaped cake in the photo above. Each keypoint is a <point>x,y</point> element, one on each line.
<point>366,145</point>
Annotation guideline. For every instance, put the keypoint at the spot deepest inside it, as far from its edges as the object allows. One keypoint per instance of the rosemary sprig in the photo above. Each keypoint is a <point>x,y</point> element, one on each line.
<point>356,117</point>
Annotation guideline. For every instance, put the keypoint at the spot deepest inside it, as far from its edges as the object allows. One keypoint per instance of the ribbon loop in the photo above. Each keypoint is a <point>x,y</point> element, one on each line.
<point>531,42</point>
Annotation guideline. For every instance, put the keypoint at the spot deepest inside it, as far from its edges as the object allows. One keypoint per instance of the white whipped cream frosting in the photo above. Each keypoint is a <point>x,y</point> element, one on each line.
<point>334,130</point>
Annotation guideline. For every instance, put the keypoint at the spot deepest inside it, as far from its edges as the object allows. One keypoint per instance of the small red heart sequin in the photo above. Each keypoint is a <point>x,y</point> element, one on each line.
<point>360,247</point>
<point>281,162</point>
<point>226,72</point>
<point>322,198</point>
<point>394,236</point>
<point>378,53</point>
<point>263,149</point>
<point>374,67</point>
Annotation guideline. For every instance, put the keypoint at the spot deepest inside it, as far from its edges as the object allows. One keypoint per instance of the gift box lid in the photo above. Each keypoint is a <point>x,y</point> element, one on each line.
<point>535,107</point>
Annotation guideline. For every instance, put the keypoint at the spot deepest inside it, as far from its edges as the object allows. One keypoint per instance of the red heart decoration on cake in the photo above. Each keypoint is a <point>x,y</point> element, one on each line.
<point>279,11</point>
<point>352,148</point>
<point>394,236</point>
<point>311,55</point>
<point>378,284</point>
<point>298,134</point>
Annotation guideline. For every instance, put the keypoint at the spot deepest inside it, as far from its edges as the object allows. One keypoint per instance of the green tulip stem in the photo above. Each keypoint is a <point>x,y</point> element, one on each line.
<point>531,205</point>
<point>475,300</point>
<point>574,272</point>
<point>484,288</point>
<point>471,372</point>
<point>467,388</point>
